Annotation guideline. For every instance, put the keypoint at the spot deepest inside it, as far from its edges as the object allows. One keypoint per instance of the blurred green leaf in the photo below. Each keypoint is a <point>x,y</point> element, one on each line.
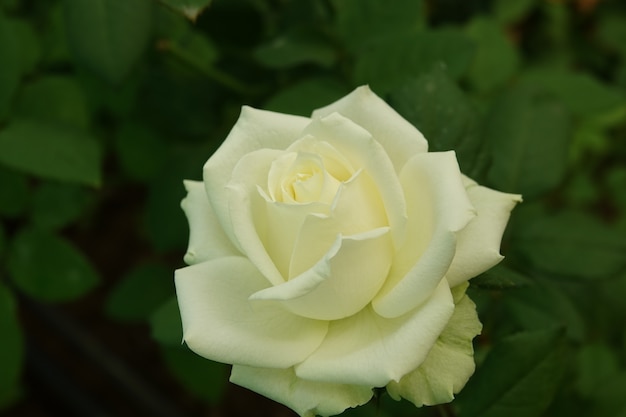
<point>511,11</point>
<point>202,377</point>
<point>140,292</point>
<point>528,133</point>
<point>500,277</point>
<point>54,99</point>
<point>55,48</point>
<point>569,244</point>
<point>361,22</point>
<point>195,47</point>
<point>141,151</point>
<point>596,363</point>
<point>108,36</point>
<point>518,378</point>
<point>295,48</point>
<point>15,193</point>
<point>442,112</point>
<point>11,65</point>
<point>29,44</point>
<point>305,96</point>
<point>546,305</point>
<point>11,348</point>
<point>55,205</point>
<point>189,8</point>
<point>582,94</point>
<point>165,324</point>
<point>50,151</point>
<point>612,31</point>
<point>48,267</point>
<point>389,63</point>
<point>3,241</point>
<point>496,60</point>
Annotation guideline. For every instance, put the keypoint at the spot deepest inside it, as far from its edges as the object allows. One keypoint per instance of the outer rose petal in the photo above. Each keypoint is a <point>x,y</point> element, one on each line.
<point>220,323</point>
<point>439,206</point>
<point>342,282</point>
<point>207,239</point>
<point>255,129</point>
<point>366,349</point>
<point>400,139</point>
<point>248,211</point>
<point>307,398</point>
<point>478,244</point>
<point>450,362</point>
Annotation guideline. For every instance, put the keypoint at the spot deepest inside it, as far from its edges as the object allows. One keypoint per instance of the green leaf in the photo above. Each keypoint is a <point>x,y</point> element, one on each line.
<point>500,277</point>
<point>361,22</point>
<point>511,11</point>
<point>29,44</point>
<point>582,94</point>
<point>50,151</point>
<point>295,48</point>
<point>141,152</point>
<point>518,378</point>
<point>3,241</point>
<point>569,244</point>
<point>495,60</point>
<point>440,110</point>
<point>189,8</point>
<point>55,205</point>
<point>11,65</point>
<point>546,305</point>
<point>54,99</point>
<point>611,31</point>
<point>11,348</point>
<point>49,268</point>
<point>140,292</point>
<point>596,364</point>
<point>108,36</point>
<point>204,378</point>
<point>528,133</point>
<point>305,96</point>
<point>15,193</point>
<point>165,324</point>
<point>389,63</point>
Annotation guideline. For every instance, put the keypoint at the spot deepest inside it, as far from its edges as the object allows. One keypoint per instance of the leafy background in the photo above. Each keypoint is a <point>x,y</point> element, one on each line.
<point>106,105</point>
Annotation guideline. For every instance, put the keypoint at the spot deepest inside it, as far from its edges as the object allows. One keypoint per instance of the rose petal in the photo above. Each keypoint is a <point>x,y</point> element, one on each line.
<point>248,210</point>
<point>367,349</point>
<point>439,206</point>
<point>307,398</point>
<point>328,291</point>
<point>220,323</point>
<point>207,239</point>
<point>363,152</point>
<point>255,129</point>
<point>400,139</point>
<point>478,244</point>
<point>450,362</point>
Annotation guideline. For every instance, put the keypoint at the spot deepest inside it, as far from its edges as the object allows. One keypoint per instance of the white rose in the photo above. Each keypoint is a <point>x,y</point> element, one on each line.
<point>329,255</point>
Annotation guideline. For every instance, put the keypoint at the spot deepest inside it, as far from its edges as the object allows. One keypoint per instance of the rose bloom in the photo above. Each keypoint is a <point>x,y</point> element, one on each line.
<point>330,255</point>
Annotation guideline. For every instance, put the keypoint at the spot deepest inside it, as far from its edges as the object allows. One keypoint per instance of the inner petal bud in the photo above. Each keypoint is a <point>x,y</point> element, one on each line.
<point>300,178</point>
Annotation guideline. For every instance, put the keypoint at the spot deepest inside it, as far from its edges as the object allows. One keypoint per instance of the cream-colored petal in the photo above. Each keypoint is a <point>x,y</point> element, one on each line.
<point>400,138</point>
<point>478,244</point>
<point>450,362</point>
<point>342,283</point>
<point>222,324</point>
<point>363,152</point>
<point>207,239</point>
<point>438,206</point>
<point>367,349</point>
<point>307,398</point>
<point>255,129</point>
<point>248,210</point>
